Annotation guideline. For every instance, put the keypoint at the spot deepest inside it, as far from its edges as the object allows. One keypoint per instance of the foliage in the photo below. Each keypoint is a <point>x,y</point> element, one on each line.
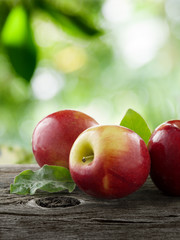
<point>135,122</point>
<point>48,178</point>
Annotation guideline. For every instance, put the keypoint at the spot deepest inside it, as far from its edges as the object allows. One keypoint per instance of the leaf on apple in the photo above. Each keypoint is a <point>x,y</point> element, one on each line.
<point>48,178</point>
<point>135,122</point>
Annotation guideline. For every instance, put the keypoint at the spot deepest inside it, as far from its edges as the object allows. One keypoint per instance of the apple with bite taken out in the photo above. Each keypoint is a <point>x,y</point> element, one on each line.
<point>109,161</point>
<point>164,149</point>
<point>55,134</point>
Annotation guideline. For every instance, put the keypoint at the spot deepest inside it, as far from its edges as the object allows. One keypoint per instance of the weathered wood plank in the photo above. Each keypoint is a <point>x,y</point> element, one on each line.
<point>145,214</point>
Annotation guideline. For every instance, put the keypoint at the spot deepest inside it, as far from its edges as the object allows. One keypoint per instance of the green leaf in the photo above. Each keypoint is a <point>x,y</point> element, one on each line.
<point>4,12</point>
<point>135,122</point>
<point>48,178</point>
<point>74,24</point>
<point>17,39</point>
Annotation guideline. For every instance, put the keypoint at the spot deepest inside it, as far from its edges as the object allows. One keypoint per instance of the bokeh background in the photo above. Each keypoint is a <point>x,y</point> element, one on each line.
<point>100,57</point>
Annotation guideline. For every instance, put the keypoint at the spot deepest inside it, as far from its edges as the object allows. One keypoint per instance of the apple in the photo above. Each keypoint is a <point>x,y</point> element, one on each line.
<point>164,149</point>
<point>55,134</point>
<point>109,161</point>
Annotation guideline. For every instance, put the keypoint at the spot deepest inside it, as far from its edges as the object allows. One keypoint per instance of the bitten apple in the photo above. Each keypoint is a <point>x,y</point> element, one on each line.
<point>54,135</point>
<point>164,149</point>
<point>109,161</point>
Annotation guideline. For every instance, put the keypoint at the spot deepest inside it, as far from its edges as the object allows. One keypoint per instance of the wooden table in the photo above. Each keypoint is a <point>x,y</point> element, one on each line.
<point>145,214</point>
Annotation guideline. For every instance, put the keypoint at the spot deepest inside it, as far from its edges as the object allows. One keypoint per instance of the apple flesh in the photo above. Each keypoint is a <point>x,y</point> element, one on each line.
<point>109,161</point>
<point>55,134</point>
<point>164,149</point>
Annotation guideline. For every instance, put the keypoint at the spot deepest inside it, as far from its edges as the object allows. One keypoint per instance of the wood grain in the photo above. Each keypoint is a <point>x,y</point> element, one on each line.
<point>145,214</point>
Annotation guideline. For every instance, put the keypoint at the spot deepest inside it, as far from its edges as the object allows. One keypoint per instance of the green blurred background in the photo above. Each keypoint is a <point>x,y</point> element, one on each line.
<point>100,57</point>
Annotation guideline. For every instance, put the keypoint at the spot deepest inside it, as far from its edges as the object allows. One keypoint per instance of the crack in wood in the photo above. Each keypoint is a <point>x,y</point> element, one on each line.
<point>112,221</point>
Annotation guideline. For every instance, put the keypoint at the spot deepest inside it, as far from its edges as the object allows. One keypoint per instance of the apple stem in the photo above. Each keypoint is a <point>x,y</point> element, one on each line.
<point>88,158</point>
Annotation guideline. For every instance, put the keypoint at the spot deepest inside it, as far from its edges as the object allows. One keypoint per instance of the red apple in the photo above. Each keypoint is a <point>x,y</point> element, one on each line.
<point>54,136</point>
<point>164,149</point>
<point>109,161</point>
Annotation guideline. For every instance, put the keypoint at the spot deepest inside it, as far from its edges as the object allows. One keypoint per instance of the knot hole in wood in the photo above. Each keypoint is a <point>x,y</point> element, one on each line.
<point>55,202</point>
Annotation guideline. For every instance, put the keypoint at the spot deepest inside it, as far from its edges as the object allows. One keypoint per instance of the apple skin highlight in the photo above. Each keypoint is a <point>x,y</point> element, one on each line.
<point>55,134</point>
<point>164,149</point>
<point>120,163</point>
